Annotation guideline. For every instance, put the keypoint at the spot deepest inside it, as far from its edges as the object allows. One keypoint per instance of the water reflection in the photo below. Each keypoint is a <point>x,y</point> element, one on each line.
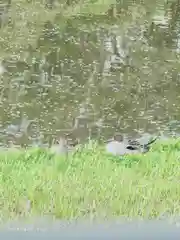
<point>91,76</point>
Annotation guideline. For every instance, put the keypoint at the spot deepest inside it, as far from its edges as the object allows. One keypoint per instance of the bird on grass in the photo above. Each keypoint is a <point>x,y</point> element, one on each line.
<point>117,146</point>
<point>62,147</point>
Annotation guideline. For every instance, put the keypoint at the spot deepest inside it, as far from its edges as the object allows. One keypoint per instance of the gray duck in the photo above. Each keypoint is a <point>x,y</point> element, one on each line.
<point>63,147</point>
<point>117,146</point>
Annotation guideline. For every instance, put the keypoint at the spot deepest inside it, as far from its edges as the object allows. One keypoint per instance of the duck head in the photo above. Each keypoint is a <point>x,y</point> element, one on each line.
<point>118,137</point>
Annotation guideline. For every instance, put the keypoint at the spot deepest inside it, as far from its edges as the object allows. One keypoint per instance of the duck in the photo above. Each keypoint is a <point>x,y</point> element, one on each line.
<point>62,147</point>
<point>118,146</point>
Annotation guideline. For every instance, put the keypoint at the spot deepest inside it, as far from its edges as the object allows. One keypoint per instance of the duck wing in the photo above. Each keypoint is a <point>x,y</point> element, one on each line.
<point>152,141</point>
<point>132,147</point>
<point>136,145</point>
<point>146,147</point>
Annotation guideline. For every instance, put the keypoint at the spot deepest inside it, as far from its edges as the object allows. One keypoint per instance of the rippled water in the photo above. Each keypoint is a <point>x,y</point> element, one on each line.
<point>92,75</point>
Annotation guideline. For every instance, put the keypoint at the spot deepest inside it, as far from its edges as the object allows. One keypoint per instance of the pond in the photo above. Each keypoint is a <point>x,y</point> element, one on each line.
<point>92,74</point>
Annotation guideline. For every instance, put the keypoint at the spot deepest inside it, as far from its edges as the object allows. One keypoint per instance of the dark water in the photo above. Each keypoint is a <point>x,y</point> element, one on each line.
<point>95,74</point>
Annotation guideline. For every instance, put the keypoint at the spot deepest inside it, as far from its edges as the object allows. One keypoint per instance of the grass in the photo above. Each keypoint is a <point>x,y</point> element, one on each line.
<point>91,183</point>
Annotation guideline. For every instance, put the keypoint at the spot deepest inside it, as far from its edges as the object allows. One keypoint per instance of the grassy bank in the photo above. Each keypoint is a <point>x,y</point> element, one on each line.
<point>91,183</point>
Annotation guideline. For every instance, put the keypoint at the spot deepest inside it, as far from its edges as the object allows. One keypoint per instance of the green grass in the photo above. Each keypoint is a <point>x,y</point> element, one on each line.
<point>91,183</point>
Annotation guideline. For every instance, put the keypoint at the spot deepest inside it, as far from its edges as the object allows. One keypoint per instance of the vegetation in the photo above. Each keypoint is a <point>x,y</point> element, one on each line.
<point>91,183</point>
<point>42,48</point>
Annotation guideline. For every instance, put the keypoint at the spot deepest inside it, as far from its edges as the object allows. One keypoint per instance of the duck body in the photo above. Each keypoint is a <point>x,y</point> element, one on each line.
<point>119,147</point>
<point>58,149</point>
<point>63,147</point>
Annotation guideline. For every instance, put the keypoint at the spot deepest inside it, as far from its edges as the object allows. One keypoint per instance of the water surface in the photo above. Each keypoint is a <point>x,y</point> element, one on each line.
<point>92,75</point>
